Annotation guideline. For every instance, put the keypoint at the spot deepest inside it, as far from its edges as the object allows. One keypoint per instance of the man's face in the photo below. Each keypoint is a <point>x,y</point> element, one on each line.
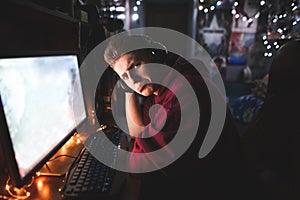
<point>138,76</point>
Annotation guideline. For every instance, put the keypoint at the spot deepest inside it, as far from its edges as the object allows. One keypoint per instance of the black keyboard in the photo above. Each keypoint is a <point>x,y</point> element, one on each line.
<point>88,178</point>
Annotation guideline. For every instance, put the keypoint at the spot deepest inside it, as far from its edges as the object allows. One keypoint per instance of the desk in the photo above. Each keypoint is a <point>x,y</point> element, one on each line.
<point>51,177</point>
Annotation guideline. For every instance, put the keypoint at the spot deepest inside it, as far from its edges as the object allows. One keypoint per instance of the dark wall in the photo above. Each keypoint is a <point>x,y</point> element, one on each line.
<point>168,15</point>
<point>26,29</point>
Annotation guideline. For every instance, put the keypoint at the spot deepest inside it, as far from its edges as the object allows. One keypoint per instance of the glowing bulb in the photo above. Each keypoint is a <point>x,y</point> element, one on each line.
<point>262,3</point>
<point>244,18</point>
<point>121,16</point>
<point>200,7</point>
<point>135,17</point>
<point>237,16</point>
<point>277,46</point>
<point>270,54</point>
<point>206,10</point>
<point>250,20</point>
<point>257,15</point>
<point>269,47</point>
<point>279,30</point>
<point>120,9</point>
<point>138,3</point>
<point>236,4</point>
<point>264,37</point>
<point>212,7</point>
<point>294,8</point>
<point>135,8</point>
<point>265,54</point>
<point>266,42</point>
<point>275,43</point>
<point>233,12</point>
<point>294,23</point>
<point>112,8</point>
<point>40,184</point>
<point>274,20</point>
<point>201,1</point>
<point>218,3</point>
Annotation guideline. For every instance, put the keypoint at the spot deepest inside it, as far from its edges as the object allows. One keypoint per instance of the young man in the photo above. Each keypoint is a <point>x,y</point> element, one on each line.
<point>220,175</point>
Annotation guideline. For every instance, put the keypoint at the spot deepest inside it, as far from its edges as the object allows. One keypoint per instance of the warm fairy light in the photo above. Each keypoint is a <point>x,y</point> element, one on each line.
<point>63,149</point>
<point>40,185</point>
<point>7,187</point>
<point>38,173</point>
<point>200,7</point>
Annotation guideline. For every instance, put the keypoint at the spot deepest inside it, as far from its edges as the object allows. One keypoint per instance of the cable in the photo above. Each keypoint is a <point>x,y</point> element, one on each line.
<point>15,192</point>
<point>61,156</point>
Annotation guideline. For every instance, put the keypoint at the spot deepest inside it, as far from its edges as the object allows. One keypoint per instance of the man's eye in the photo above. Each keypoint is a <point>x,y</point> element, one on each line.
<point>125,77</point>
<point>137,65</point>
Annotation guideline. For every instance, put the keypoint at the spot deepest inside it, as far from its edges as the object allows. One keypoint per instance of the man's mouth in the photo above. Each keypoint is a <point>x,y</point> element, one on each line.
<point>141,87</point>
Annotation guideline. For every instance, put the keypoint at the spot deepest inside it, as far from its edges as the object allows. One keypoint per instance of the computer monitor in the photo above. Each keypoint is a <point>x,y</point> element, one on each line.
<point>42,103</point>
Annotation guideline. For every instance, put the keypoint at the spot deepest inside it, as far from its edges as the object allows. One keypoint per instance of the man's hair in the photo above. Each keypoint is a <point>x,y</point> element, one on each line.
<point>120,45</point>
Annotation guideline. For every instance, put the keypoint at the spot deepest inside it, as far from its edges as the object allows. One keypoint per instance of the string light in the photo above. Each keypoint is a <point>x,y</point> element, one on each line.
<point>18,193</point>
<point>280,22</point>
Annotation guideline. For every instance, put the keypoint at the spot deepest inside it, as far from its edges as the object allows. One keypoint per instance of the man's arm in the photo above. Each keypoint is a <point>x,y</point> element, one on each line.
<point>133,114</point>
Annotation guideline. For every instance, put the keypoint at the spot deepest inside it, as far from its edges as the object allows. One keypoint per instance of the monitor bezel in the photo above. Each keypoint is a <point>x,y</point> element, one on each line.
<point>5,139</point>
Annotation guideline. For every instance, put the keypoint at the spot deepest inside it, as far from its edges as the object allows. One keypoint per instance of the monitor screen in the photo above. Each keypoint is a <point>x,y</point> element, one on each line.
<point>42,103</point>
